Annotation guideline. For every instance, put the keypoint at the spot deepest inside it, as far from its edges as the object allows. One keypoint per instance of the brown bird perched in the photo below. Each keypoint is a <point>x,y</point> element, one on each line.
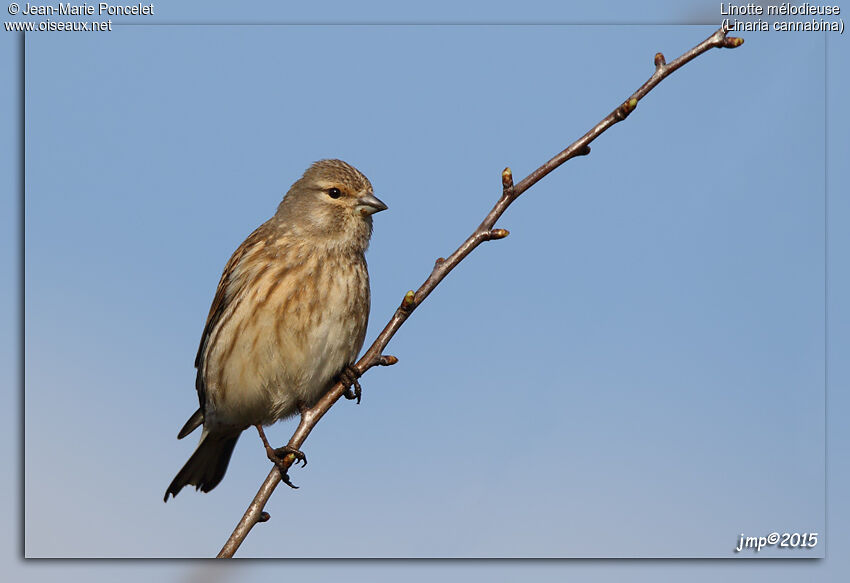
<point>288,318</point>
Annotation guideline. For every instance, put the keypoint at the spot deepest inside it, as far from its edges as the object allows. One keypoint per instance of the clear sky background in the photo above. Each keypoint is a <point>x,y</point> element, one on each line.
<point>637,371</point>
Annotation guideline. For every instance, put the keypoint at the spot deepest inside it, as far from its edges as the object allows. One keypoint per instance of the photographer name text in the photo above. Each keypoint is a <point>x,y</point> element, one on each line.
<point>86,9</point>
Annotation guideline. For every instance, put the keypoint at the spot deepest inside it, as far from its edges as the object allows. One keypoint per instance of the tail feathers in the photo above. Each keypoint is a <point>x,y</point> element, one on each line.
<point>207,466</point>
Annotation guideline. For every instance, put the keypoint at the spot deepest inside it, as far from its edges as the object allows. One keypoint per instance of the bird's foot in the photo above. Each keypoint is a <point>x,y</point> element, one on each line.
<point>349,376</point>
<point>280,454</point>
<point>278,457</point>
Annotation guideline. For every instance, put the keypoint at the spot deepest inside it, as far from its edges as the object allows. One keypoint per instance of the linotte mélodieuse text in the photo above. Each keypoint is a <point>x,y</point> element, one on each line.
<point>805,14</point>
<point>86,9</point>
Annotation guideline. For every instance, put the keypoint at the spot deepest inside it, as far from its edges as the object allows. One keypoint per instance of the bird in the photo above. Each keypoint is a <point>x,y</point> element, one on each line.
<point>287,321</point>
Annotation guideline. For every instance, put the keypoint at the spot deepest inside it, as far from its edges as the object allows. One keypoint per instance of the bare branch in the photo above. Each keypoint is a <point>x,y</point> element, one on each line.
<point>442,267</point>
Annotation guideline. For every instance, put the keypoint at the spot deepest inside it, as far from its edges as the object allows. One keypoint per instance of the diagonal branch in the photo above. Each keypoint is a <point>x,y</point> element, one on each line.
<point>485,232</point>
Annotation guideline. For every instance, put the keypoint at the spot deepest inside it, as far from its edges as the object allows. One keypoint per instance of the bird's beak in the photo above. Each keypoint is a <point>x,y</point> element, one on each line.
<point>371,204</point>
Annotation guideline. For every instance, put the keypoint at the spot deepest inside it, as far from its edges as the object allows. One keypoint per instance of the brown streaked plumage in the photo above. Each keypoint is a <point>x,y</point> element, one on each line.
<point>289,316</point>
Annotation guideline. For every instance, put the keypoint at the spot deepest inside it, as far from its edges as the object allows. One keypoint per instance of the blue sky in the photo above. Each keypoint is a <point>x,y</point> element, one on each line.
<point>637,371</point>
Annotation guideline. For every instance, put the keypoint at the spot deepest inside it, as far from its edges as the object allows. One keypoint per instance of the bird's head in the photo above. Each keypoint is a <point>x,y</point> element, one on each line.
<point>333,202</point>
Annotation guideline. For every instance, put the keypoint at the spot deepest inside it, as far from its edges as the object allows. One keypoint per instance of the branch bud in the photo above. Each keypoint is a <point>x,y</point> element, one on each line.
<point>731,42</point>
<point>660,61</point>
<point>499,234</point>
<point>507,178</point>
<point>264,517</point>
<point>626,108</point>
<point>409,301</point>
<point>387,360</point>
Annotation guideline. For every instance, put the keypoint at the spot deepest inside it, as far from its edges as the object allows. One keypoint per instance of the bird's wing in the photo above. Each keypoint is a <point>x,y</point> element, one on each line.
<point>224,294</point>
<point>195,421</point>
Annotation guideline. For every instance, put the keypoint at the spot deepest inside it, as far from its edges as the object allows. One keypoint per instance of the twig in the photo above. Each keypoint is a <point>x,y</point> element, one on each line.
<point>485,232</point>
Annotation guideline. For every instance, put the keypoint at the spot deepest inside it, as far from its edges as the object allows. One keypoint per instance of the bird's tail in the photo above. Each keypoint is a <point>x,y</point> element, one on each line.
<point>206,467</point>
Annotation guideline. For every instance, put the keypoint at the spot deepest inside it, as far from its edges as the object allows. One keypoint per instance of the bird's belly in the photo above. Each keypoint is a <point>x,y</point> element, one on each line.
<point>285,352</point>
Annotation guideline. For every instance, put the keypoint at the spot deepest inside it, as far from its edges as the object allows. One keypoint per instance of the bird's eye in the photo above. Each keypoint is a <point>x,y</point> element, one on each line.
<point>334,192</point>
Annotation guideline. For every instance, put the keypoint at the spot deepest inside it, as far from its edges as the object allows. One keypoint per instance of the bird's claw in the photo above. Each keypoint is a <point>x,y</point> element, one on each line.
<point>284,477</point>
<point>277,457</point>
<point>349,376</point>
<point>281,453</point>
